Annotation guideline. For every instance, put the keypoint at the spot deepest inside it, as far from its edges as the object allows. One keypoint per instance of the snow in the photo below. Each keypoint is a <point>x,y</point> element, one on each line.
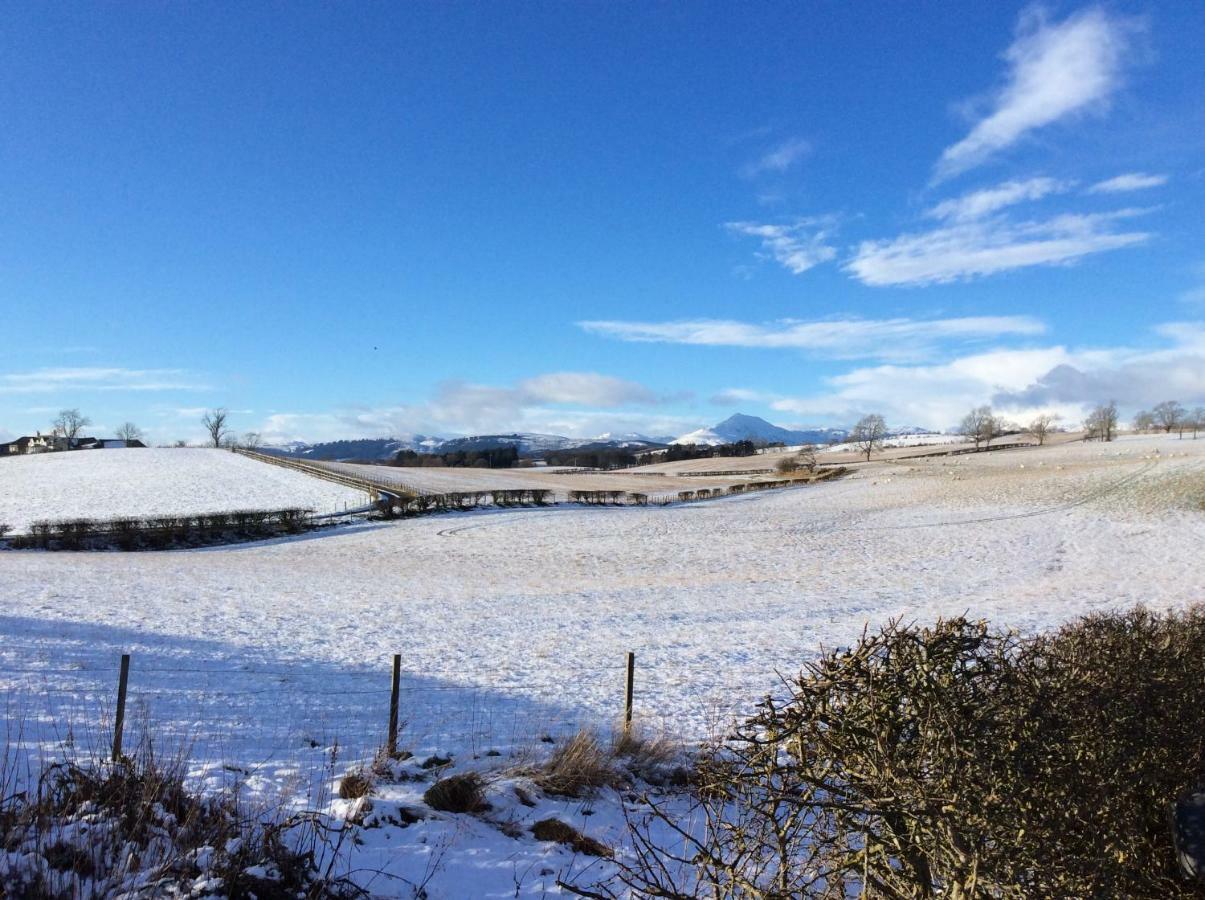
<point>704,436</point>
<point>513,625</point>
<point>560,480</point>
<point>103,484</point>
<point>922,439</point>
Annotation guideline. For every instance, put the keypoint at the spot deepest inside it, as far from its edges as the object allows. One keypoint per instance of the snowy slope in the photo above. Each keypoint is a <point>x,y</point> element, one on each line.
<point>514,625</point>
<point>101,484</point>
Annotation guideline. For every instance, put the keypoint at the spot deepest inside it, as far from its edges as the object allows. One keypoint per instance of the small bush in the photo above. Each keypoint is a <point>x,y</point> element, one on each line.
<point>457,794</point>
<point>559,832</point>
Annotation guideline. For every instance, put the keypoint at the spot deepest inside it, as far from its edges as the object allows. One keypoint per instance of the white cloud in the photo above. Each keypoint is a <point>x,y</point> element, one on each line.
<point>799,246</point>
<point>1055,69</point>
<point>977,204</point>
<point>77,380</point>
<point>738,396</point>
<point>585,389</point>
<point>778,159</point>
<point>898,338</point>
<point>1129,181</point>
<point>1018,383</point>
<point>976,248</point>
<point>577,404</point>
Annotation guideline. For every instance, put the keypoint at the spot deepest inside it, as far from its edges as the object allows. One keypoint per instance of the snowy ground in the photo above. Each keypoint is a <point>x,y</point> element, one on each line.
<point>513,625</point>
<point>559,480</point>
<point>103,484</point>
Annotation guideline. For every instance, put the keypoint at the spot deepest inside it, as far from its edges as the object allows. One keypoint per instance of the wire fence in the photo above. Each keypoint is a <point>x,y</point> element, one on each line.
<point>279,717</point>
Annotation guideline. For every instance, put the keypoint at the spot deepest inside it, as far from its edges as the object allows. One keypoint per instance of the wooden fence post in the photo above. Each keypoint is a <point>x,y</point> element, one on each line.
<point>627,694</point>
<point>391,743</point>
<point>119,720</point>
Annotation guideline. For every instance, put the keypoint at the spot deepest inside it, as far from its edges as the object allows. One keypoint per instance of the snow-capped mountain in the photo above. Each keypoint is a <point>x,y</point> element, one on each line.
<point>741,427</point>
<point>528,444</point>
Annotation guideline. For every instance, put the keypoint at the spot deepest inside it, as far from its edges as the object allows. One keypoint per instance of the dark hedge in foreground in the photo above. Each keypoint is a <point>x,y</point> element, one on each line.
<point>955,761</point>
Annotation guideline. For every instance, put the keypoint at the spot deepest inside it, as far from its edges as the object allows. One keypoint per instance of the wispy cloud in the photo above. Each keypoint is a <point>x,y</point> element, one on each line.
<point>899,338</point>
<point>1055,69</point>
<point>797,246</point>
<point>978,204</point>
<point>778,159</point>
<point>76,380</point>
<point>1129,181</point>
<point>977,248</point>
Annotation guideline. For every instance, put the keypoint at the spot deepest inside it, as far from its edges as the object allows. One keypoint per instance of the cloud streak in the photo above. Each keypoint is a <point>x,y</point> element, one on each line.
<point>899,338</point>
<point>778,159</point>
<point>798,246</point>
<point>978,248</point>
<point>1128,181</point>
<point>978,204</point>
<point>1055,70</point>
<point>77,380</point>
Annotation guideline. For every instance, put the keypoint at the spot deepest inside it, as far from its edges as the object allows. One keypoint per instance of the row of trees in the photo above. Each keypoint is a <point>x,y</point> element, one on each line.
<point>493,458</point>
<point>1169,416</point>
<point>680,452</point>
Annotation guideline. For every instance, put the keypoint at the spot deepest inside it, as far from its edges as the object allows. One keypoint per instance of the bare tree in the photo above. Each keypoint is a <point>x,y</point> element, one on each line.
<point>868,434</point>
<point>129,432</point>
<point>1144,420</point>
<point>70,422</point>
<point>1168,414</point>
<point>1041,427</point>
<point>215,423</point>
<point>1101,423</point>
<point>1198,420</point>
<point>252,440</point>
<point>979,425</point>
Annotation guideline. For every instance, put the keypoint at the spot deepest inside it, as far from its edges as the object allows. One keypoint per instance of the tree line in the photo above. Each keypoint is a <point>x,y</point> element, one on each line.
<point>493,458</point>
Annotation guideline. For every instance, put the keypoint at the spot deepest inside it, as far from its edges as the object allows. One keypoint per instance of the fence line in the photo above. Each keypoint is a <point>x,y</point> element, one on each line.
<point>128,672</point>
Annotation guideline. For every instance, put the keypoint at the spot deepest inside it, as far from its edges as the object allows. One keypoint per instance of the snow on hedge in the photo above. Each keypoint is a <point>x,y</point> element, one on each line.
<point>103,484</point>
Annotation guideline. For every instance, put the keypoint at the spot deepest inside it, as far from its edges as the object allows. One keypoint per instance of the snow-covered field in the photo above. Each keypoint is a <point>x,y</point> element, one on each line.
<point>560,481</point>
<point>513,625</point>
<point>103,484</point>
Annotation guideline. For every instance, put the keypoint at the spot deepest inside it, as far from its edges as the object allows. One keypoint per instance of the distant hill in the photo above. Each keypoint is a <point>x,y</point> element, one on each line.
<point>741,427</point>
<point>363,448</point>
<point>528,444</point>
<point>738,427</point>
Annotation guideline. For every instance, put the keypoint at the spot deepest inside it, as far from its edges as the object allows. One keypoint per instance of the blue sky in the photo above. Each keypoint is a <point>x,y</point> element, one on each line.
<point>347,220</point>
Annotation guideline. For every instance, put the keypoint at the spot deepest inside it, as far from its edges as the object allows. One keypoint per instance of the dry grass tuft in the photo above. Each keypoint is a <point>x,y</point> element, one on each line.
<point>563,833</point>
<point>354,786</point>
<point>457,794</point>
<point>653,758</point>
<point>579,766</point>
